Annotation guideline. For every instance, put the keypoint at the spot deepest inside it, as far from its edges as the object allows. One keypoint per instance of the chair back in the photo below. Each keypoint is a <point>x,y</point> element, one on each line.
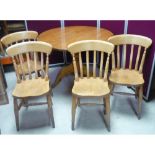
<point>25,49</point>
<point>17,37</point>
<point>129,46</point>
<point>85,47</point>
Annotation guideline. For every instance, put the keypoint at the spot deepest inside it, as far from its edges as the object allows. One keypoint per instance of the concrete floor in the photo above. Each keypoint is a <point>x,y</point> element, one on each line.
<point>34,120</point>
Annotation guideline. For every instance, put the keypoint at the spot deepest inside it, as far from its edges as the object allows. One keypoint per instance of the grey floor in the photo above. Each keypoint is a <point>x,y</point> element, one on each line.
<point>89,120</point>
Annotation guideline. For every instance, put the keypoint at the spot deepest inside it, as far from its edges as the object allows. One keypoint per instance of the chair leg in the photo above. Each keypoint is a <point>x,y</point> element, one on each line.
<point>111,86</point>
<point>16,112</point>
<point>136,92</point>
<point>107,111</point>
<point>50,110</point>
<point>140,98</point>
<point>74,105</point>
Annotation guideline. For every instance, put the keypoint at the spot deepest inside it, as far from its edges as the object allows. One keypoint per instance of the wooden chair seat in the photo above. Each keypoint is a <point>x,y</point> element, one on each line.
<point>33,87</point>
<point>25,67</point>
<point>90,87</point>
<point>126,77</point>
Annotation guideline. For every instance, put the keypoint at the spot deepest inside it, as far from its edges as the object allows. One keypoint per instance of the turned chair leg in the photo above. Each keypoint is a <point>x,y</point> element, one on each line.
<point>16,112</point>
<point>107,111</point>
<point>50,110</point>
<point>140,98</point>
<point>74,105</point>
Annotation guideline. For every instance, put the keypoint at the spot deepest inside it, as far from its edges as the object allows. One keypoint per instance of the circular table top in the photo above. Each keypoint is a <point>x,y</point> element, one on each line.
<point>61,37</point>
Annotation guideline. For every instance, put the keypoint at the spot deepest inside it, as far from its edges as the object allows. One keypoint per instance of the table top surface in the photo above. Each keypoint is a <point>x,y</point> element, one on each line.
<point>61,37</point>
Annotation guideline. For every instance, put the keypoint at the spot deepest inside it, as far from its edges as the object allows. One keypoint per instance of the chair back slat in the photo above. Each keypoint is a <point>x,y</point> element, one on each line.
<point>101,64</point>
<point>42,66</point>
<point>21,65</point>
<point>137,58</point>
<point>87,63</point>
<point>106,68</point>
<point>26,48</point>
<point>47,63</point>
<point>113,60</point>
<point>131,56</point>
<point>35,65</point>
<point>142,62</point>
<point>28,65</point>
<point>75,68</point>
<point>16,70</point>
<point>124,56</point>
<point>88,46</point>
<point>94,64</point>
<point>118,56</point>
<point>80,65</point>
<point>18,37</point>
<point>132,40</point>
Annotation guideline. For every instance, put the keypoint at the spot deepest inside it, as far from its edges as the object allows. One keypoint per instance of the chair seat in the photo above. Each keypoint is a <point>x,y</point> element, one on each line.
<point>33,87</point>
<point>126,77</point>
<point>25,67</point>
<point>87,87</point>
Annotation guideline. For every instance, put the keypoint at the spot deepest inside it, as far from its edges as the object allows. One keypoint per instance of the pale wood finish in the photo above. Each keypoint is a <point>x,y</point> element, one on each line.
<point>94,64</point>
<point>126,77</point>
<point>87,63</point>
<point>132,75</point>
<point>80,64</point>
<point>131,56</point>
<point>118,57</point>
<point>137,58</point>
<point>31,85</point>
<point>61,37</point>
<point>18,36</point>
<point>101,64</point>
<point>124,57</point>
<point>22,36</point>
<point>91,86</point>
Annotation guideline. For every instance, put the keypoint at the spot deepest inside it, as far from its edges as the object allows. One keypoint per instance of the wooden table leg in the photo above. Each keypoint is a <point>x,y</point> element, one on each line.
<point>65,71</point>
<point>68,70</point>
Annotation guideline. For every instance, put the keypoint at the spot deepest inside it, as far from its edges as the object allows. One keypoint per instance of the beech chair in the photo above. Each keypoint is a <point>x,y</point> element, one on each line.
<point>22,36</point>
<point>31,85</point>
<point>95,86</point>
<point>127,64</point>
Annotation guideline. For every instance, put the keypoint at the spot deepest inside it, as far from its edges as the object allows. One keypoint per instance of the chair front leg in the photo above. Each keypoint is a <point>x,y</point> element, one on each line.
<point>74,105</point>
<point>107,111</point>
<point>50,109</point>
<point>16,112</point>
<point>140,98</point>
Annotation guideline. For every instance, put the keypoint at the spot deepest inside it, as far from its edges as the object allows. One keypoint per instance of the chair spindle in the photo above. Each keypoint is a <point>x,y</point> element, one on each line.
<point>28,65</point>
<point>75,68</point>
<point>118,56</point>
<point>21,66</point>
<point>142,62</point>
<point>35,65</point>
<point>106,68</point>
<point>81,66</point>
<point>137,59</point>
<point>94,65</point>
<point>87,62</point>
<point>131,56</point>
<point>124,57</point>
<point>101,64</point>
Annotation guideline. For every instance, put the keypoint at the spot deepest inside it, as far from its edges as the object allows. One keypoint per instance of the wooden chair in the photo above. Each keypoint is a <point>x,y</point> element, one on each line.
<point>91,86</point>
<point>129,73</point>
<point>31,85</point>
<point>17,37</point>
